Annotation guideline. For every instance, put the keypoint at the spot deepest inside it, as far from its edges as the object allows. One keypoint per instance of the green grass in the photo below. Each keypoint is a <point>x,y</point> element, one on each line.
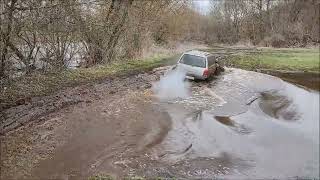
<point>101,177</point>
<point>109,177</point>
<point>306,60</point>
<point>39,84</point>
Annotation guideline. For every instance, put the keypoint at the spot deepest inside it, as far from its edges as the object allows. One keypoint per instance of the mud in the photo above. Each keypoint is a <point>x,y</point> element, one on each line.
<point>37,107</point>
<point>37,131</point>
<point>75,142</point>
<point>97,140</point>
<point>305,80</point>
<point>240,125</point>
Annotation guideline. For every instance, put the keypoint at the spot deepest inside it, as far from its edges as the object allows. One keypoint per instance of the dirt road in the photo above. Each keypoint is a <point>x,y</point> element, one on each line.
<point>241,124</point>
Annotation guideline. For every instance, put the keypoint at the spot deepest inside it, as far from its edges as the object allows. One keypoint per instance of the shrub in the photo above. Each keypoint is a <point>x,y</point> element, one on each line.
<point>275,40</point>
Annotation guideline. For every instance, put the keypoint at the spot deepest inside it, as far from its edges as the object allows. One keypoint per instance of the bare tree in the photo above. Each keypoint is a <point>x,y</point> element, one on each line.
<point>7,8</point>
<point>278,23</point>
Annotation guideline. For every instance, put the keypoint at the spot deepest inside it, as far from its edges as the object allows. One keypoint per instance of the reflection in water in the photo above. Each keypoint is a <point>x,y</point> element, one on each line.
<point>246,129</point>
<point>278,106</point>
<point>240,128</point>
<point>225,120</point>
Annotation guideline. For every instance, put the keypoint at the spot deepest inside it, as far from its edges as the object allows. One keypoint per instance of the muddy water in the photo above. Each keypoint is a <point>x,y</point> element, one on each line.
<point>304,79</point>
<point>242,124</point>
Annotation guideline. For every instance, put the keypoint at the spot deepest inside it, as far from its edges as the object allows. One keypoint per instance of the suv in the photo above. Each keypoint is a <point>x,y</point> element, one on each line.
<point>199,64</point>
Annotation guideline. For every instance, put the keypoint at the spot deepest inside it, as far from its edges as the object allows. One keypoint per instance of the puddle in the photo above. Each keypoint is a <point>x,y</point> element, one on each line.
<point>225,120</point>
<point>246,127</point>
<point>278,106</point>
<point>240,128</point>
<point>241,125</point>
<point>196,116</point>
<point>201,99</point>
<point>301,79</point>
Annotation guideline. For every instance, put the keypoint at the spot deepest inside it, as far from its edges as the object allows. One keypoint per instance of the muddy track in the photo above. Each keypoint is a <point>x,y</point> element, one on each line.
<point>239,125</point>
<point>108,121</point>
<point>33,109</point>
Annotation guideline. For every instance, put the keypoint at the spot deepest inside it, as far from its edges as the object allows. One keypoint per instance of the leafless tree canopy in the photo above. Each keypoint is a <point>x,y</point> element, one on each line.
<point>38,34</point>
<point>55,34</point>
<point>265,22</point>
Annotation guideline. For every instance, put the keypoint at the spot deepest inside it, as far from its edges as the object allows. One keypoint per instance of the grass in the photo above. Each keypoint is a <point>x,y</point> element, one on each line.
<point>306,60</point>
<point>109,177</point>
<point>101,177</point>
<point>40,84</point>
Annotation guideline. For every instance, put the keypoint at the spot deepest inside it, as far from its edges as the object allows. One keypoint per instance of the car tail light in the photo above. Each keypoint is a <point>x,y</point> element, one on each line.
<point>206,73</point>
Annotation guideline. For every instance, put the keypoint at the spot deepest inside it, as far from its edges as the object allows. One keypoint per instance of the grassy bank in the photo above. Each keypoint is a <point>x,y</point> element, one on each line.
<point>303,60</point>
<point>40,84</point>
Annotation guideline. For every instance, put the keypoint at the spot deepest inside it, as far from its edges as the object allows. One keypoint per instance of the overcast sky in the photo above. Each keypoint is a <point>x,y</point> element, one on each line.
<point>203,6</point>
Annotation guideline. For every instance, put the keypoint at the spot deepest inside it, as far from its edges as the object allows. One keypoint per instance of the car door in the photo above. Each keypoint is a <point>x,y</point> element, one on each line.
<point>183,66</point>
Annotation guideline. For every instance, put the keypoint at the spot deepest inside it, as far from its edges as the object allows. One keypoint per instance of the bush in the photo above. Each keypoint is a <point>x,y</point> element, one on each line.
<point>101,177</point>
<point>275,40</point>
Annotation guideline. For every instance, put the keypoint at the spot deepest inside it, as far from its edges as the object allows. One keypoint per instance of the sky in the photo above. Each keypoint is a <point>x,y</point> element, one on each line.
<point>203,6</point>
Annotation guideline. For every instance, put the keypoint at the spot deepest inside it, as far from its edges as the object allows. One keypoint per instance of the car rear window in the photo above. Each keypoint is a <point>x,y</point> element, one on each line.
<point>193,60</point>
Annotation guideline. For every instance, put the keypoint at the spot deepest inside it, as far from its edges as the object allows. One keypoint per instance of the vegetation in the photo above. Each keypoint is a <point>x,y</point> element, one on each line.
<point>306,60</point>
<point>282,23</point>
<point>39,84</point>
<point>101,177</point>
<point>41,39</point>
<point>57,34</point>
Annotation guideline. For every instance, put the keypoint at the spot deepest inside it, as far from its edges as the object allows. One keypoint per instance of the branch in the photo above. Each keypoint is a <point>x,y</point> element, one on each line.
<point>16,51</point>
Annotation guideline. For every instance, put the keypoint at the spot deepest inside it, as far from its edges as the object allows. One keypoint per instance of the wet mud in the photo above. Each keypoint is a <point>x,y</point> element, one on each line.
<point>240,125</point>
<point>307,80</point>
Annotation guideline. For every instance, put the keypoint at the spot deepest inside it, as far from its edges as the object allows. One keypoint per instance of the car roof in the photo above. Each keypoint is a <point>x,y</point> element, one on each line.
<point>198,53</point>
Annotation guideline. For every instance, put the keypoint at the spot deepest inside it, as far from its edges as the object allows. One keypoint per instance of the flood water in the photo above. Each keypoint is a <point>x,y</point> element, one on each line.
<point>243,125</point>
<point>240,125</point>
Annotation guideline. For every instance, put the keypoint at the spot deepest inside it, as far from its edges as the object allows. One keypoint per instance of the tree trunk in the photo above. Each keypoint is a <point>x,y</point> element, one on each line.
<point>117,31</point>
<point>6,38</point>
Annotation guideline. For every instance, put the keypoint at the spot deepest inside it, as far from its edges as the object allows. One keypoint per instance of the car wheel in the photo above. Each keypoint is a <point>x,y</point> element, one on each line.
<point>217,71</point>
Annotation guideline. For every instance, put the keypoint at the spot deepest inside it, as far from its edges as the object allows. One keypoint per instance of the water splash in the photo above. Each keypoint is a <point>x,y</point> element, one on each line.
<point>172,86</point>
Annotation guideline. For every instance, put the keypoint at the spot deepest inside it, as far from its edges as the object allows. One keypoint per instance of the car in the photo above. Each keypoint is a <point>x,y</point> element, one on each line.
<point>199,65</point>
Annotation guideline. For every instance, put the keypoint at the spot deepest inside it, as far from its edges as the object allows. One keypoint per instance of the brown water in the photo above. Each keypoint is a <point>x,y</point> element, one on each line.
<point>265,128</point>
<point>240,125</point>
<point>307,80</point>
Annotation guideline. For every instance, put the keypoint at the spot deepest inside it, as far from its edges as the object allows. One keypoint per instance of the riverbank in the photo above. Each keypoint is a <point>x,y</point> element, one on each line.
<point>45,138</point>
<point>19,90</point>
<point>296,65</point>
